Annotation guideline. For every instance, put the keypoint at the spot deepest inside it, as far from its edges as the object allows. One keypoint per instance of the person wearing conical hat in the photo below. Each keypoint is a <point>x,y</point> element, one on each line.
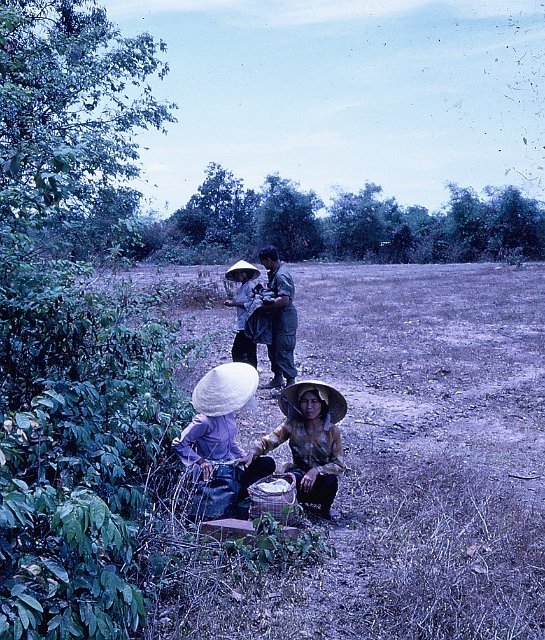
<point>244,349</point>
<point>312,409</point>
<point>211,436</point>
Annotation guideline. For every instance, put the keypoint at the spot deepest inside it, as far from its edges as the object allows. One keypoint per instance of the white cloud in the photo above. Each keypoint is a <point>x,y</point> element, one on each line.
<point>275,145</point>
<point>298,12</point>
<point>124,8</point>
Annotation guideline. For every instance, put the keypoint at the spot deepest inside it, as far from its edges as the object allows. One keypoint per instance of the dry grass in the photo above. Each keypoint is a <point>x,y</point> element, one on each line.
<point>200,588</point>
<point>188,576</point>
<point>451,556</point>
<point>443,534</point>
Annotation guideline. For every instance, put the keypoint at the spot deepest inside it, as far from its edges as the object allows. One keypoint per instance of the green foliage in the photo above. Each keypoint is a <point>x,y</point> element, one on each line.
<point>87,394</point>
<point>73,91</point>
<point>88,402</point>
<point>180,253</point>
<point>43,321</point>
<point>221,214</point>
<point>154,235</point>
<point>507,224</point>
<point>401,243</point>
<point>66,574</point>
<point>518,225</point>
<point>217,225</point>
<point>469,223</point>
<point>268,549</point>
<point>54,328</point>
<point>110,232</point>
<point>432,242</point>
<point>287,220</point>
<point>513,257</point>
<point>359,221</point>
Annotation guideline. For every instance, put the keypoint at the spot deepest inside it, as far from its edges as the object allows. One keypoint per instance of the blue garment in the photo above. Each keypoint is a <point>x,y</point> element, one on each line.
<point>211,438</point>
<point>214,439</point>
<point>244,295</point>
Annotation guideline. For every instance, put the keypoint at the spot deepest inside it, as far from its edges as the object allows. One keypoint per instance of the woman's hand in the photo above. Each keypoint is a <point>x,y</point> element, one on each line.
<point>230,303</point>
<point>246,461</point>
<point>308,480</point>
<point>206,469</point>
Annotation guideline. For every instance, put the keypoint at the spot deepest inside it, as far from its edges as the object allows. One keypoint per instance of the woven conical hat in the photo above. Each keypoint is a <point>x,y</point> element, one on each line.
<point>224,389</point>
<point>242,265</point>
<point>289,398</point>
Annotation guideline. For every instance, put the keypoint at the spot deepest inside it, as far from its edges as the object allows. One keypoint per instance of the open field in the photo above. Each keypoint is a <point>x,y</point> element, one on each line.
<point>442,532</point>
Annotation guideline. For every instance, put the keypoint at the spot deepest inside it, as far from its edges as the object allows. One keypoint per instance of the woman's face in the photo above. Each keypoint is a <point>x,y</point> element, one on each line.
<point>241,276</point>
<point>311,405</point>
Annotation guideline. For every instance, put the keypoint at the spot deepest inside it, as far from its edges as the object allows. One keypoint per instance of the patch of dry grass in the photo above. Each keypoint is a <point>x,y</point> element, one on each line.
<point>431,547</point>
<point>202,589</point>
<point>451,556</point>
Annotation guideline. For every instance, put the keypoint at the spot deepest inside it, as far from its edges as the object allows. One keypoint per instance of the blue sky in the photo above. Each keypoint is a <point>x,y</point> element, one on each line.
<point>407,94</point>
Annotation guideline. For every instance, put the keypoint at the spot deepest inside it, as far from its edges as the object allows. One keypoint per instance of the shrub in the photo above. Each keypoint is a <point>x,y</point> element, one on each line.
<point>270,550</point>
<point>180,253</point>
<point>87,405</point>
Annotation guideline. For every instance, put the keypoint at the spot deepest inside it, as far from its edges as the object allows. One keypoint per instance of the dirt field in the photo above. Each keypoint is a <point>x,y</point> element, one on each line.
<point>440,364</point>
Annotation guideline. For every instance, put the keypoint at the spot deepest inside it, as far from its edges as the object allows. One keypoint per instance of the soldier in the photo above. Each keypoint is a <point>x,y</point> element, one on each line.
<point>283,319</point>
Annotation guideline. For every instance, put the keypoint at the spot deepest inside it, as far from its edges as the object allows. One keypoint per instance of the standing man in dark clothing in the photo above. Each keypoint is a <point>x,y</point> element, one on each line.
<point>283,319</point>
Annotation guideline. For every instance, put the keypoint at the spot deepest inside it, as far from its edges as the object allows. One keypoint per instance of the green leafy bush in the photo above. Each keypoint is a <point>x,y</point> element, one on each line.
<point>86,393</point>
<point>181,253</point>
<point>270,549</point>
<point>87,405</point>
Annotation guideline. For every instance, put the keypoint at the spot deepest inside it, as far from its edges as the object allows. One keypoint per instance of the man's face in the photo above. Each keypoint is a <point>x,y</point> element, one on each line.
<point>267,263</point>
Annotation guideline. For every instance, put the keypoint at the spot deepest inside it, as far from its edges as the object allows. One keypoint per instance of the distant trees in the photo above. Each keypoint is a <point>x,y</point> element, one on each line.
<point>518,224</point>
<point>219,220</point>
<point>287,219</point>
<point>469,222</point>
<point>223,221</point>
<point>221,211</point>
<point>507,224</point>
<point>359,223</point>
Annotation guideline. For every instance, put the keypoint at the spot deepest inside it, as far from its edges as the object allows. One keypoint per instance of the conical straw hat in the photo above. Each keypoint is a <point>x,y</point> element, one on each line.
<point>242,265</point>
<point>336,403</point>
<point>224,389</point>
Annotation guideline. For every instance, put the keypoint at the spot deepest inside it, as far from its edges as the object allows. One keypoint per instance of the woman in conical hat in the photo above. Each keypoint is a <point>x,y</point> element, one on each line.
<point>312,409</point>
<point>244,349</point>
<point>211,436</point>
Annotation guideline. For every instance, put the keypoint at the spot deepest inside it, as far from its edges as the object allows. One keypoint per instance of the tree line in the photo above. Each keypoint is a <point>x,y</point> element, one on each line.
<point>223,220</point>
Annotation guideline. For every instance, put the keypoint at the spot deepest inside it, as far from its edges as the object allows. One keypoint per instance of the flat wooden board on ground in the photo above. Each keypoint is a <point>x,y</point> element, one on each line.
<point>231,527</point>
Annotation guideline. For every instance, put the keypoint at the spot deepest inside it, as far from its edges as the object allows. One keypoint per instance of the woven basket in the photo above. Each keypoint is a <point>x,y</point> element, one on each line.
<point>282,505</point>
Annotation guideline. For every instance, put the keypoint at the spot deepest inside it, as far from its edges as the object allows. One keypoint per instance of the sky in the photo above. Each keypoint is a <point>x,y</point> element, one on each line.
<point>332,94</point>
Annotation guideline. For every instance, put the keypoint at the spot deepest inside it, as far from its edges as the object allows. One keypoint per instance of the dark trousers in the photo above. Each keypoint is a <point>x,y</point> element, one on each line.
<point>260,468</point>
<point>244,349</point>
<point>322,493</point>
<point>281,354</point>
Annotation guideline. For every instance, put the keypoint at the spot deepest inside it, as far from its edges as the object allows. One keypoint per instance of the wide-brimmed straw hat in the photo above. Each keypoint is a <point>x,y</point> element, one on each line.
<point>290,396</point>
<point>242,265</point>
<point>224,389</point>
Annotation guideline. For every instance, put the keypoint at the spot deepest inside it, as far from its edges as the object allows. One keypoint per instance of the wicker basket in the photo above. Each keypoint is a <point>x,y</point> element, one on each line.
<point>281,504</point>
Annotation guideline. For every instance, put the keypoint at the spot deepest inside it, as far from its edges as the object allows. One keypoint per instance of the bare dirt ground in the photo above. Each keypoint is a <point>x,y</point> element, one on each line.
<point>437,362</point>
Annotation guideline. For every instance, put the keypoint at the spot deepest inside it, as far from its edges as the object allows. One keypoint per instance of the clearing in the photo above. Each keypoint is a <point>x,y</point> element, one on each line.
<point>440,364</point>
